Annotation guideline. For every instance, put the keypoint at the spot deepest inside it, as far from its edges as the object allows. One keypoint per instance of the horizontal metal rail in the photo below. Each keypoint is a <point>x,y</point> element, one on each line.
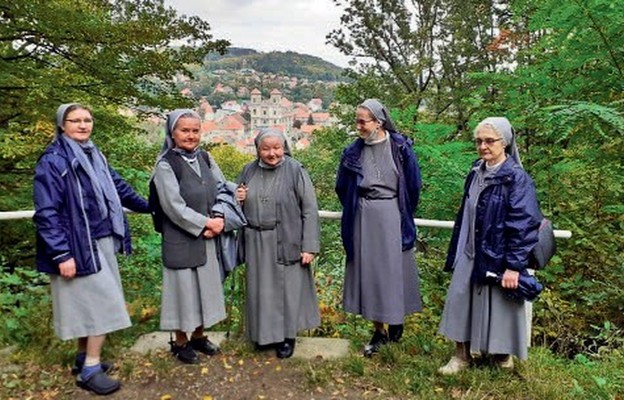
<point>428,223</point>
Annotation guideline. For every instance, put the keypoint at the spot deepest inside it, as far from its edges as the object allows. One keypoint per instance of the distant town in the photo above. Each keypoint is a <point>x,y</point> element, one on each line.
<point>235,103</point>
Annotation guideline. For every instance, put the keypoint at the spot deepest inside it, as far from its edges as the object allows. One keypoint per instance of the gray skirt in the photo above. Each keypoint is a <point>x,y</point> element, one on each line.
<point>483,316</point>
<point>193,297</point>
<point>281,299</point>
<point>382,282</point>
<point>90,305</point>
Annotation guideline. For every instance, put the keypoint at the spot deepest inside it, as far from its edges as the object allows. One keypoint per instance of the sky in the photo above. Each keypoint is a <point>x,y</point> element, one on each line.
<point>267,25</point>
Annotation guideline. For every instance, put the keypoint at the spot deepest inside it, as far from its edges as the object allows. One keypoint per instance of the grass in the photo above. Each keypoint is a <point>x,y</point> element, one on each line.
<point>404,371</point>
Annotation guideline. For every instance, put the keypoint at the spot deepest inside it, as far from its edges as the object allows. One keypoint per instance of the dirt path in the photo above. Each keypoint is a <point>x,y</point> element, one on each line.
<point>231,375</point>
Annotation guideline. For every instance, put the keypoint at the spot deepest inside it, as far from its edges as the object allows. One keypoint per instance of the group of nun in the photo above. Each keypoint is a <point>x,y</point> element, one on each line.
<point>273,208</point>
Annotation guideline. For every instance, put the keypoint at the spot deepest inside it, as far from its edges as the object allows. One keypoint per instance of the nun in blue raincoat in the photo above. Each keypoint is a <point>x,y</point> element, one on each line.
<point>495,230</point>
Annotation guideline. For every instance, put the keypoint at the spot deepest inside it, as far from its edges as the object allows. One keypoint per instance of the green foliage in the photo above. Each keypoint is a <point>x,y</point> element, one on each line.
<point>230,160</point>
<point>276,62</point>
<point>419,53</point>
<point>25,307</point>
<point>321,160</point>
<point>105,54</point>
<point>265,71</point>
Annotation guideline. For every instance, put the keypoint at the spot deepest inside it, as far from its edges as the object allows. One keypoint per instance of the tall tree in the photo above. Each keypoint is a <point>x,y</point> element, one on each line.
<point>565,96</point>
<point>104,52</point>
<point>419,52</point>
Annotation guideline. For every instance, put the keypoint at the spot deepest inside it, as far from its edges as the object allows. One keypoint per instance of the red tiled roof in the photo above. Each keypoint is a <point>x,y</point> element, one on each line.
<point>239,117</point>
<point>301,113</point>
<point>320,116</point>
<point>231,123</point>
<point>308,129</point>
<point>256,91</point>
<point>208,126</point>
<point>279,127</point>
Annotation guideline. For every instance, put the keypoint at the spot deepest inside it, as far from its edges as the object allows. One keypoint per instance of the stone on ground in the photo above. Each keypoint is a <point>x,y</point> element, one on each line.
<point>306,347</point>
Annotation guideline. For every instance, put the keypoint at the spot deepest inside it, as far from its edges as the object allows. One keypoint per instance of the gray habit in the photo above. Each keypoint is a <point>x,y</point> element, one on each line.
<point>480,314</point>
<point>90,305</point>
<point>191,297</point>
<point>381,283</point>
<point>281,299</point>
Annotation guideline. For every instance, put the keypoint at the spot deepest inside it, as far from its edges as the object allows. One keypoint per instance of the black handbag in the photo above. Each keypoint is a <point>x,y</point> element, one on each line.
<point>545,247</point>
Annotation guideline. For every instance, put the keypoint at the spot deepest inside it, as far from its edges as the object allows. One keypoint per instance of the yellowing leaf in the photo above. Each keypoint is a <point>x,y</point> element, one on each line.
<point>204,371</point>
<point>207,397</point>
<point>165,397</point>
<point>278,368</point>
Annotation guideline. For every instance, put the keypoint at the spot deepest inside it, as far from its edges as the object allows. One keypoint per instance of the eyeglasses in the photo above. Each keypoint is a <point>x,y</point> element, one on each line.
<point>362,121</point>
<point>488,142</point>
<point>87,121</point>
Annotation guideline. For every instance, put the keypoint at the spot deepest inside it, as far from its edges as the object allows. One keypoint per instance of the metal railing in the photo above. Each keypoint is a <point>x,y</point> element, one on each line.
<point>429,223</point>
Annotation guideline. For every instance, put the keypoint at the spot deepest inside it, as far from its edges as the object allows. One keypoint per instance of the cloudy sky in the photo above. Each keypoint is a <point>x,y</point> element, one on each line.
<point>265,25</point>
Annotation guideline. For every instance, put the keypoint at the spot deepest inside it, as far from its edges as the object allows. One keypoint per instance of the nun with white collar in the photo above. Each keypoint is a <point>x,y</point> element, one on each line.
<point>186,180</point>
<point>495,230</point>
<point>378,184</point>
<point>280,242</point>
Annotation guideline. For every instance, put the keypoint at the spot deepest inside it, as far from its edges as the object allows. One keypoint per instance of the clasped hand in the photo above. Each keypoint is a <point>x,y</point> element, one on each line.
<point>241,193</point>
<point>214,226</point>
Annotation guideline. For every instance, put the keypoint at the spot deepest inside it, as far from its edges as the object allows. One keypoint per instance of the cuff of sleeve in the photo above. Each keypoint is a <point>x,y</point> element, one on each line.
<point>515,268</point>
<point>61,258</point>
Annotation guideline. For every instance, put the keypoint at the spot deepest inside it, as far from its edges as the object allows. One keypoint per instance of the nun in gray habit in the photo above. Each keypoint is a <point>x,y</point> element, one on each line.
<point>495,230</point>
<point>279,243</point>
<point>378,184</point>
<point>186,180</point>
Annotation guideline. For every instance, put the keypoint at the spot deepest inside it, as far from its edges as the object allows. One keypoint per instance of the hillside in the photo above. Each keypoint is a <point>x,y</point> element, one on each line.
<point>285,63</point>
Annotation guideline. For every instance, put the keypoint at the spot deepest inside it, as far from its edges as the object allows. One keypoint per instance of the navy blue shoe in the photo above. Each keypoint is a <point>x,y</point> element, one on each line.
<point>99,383</point>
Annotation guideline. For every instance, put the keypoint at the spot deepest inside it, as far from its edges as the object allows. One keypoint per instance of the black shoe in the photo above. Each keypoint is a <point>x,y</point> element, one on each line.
<point>203,345</point>
<point>184,353</point>
<point>77,368</point>
<point>100,383</point>
<point>379,339</point>
<point>285,349</point>
<point>395,332</point>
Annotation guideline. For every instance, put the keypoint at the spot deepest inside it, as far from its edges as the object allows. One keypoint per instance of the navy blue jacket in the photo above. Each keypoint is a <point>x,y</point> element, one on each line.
<point>67,215</point>
<point>350,177</point>
<point>506,225</point>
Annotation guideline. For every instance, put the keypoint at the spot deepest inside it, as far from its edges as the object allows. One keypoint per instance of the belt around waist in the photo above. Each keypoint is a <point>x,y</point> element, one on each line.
<point>260,228</point>
<point>369,197</point>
